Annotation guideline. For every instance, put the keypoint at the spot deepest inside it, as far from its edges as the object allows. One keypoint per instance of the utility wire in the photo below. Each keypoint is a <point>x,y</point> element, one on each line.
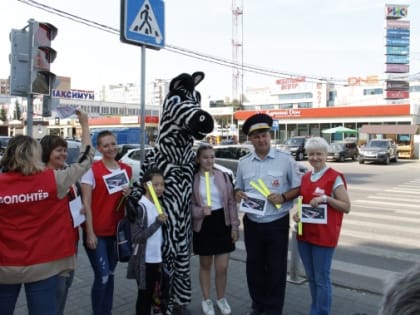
<point>193,54</point>
<point>185,51</point>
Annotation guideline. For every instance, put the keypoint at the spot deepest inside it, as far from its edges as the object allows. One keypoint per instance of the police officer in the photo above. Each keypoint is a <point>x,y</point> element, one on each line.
<point>267,236</point>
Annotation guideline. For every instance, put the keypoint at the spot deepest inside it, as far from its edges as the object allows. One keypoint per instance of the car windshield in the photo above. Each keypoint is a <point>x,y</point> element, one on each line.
<point>376,144</point>
<point>336,147</point>
<point>292,141</point>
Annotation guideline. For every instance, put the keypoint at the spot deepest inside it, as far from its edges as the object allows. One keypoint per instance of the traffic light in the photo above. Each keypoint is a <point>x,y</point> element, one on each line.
<point>20,62</point>
<point>30,59</point>
<point>42,55</point>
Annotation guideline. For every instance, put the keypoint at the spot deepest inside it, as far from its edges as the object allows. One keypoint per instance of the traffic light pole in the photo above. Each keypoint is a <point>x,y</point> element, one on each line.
<point>143,103</point>
<point>30,113</point>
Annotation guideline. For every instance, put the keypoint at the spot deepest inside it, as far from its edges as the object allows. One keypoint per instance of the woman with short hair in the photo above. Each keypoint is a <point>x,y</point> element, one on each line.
<point>323,186</point>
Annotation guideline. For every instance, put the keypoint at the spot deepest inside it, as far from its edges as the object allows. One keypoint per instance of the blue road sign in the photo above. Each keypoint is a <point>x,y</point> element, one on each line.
<point>143,23</point>
<point>275,125</point>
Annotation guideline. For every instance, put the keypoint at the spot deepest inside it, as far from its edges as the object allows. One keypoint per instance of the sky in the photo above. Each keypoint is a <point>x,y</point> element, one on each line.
<point>322,38</point>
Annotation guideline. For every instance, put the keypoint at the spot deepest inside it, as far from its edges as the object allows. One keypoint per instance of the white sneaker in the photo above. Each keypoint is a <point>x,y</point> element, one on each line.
<point>207,307</point>
<point>223,306</point>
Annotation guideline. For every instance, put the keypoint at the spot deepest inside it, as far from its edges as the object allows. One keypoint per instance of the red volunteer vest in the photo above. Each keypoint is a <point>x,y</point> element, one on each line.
<point>104,205</point>
<point>35,226</point>
<point>321,234</point>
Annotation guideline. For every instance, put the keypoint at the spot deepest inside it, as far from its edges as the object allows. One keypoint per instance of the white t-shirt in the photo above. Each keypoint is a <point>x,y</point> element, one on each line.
<point>154,242</point>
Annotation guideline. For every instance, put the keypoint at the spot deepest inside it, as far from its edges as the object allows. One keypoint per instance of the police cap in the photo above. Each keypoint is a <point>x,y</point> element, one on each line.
<point>257,122</point>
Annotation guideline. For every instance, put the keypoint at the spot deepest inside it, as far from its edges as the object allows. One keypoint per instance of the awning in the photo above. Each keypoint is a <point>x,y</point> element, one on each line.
<point>389,129</point>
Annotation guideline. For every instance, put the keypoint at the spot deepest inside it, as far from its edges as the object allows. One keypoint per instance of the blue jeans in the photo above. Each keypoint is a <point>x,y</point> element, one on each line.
<point>317,262</point>
<point>103,260</point>
<point>40,297</point>
<point>63,285</point>
<point>64,282</point>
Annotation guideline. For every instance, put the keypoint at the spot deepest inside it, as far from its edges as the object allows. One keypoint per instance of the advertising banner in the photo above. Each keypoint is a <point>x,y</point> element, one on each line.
<point>398,42</point>
<point>397,68</point>
<point>397,85</point>
<point>396,94</point>
<point>397,59</point>
<point>397,50</point>
<point>397,32</point>
<point>398,24</point>
<point>395,11</point>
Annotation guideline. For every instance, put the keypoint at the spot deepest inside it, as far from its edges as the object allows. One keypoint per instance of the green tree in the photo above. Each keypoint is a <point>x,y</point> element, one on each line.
<point>17,113</point>
<point>3,114</point>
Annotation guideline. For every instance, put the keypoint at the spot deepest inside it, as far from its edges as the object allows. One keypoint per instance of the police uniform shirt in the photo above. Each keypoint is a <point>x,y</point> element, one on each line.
<point>280,173</point>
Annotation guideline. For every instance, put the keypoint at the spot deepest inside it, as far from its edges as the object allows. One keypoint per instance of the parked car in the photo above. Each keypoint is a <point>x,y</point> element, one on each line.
<point>73,150</point>
<point>342,150</point>
<point>379,150</point>
<point>296,147</point>
<point>235,151</point>
<point>124,148</point>
<point>229,155</point>
<point>4,141</point>
<point>132,158</point>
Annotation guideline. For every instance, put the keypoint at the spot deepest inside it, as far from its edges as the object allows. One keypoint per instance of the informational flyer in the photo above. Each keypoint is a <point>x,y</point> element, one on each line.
<point>75,208</point>
<point>116,181</point>
<point>253,204</point>
<point>317,215</point>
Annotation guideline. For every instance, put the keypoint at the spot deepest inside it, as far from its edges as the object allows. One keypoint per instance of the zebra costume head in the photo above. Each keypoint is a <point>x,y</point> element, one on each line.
<point>182,115</point>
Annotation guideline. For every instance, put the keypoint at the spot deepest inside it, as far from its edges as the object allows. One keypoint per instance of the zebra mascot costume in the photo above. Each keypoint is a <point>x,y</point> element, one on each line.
<point>182,121</point>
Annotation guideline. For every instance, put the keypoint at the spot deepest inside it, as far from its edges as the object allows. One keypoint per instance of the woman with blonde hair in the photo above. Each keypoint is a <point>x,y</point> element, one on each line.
<point>36,231</point>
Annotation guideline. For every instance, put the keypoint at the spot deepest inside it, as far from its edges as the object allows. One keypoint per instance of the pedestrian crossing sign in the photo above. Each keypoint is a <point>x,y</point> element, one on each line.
<point>143,23</point>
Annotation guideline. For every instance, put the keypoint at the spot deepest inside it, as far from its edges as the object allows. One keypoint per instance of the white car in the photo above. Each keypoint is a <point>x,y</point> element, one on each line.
<point>132,158</point>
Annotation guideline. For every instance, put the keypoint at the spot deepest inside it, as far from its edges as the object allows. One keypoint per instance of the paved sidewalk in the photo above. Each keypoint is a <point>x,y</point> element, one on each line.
<point>345,301</point>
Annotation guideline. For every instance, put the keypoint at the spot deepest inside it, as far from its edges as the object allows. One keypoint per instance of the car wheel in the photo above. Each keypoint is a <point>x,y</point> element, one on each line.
<point>387,160</point>
<point>354,157</point>
<point>341,159</point>
<point>395,159</point>
<point>361,161</point>
<point>300,156</point>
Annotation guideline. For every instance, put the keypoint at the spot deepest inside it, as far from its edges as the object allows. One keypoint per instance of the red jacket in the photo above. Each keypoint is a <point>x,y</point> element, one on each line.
<point>321,234</point>
<point>35,226</point>
<point>104,206</point>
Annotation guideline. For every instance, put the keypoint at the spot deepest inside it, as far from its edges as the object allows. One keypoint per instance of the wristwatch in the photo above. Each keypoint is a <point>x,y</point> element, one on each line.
<point>324,198</point>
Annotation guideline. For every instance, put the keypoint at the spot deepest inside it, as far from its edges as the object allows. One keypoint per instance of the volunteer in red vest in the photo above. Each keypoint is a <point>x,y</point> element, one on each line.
<point>36,232</point>
<point>325,190</point>
<point>103,187</point>
<point>54,155</point>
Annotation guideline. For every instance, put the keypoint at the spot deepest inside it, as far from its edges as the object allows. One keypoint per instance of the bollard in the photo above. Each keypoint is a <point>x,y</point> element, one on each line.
<point>293,275</point>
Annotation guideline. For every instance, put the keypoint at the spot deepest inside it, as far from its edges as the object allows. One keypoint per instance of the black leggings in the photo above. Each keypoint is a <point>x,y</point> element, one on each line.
<point>144,296</point>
